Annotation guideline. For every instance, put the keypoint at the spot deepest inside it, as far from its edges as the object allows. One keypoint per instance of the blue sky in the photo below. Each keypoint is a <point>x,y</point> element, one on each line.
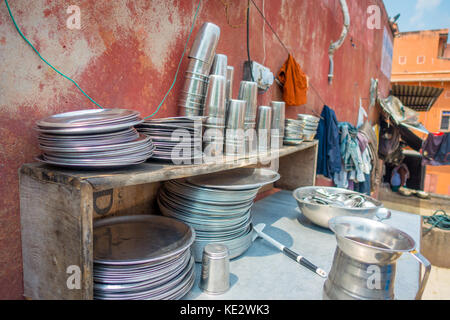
<point>420,14</point>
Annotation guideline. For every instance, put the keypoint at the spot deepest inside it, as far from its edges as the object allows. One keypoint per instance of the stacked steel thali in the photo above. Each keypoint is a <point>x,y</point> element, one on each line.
<point>142,257</point>
<point>94,138</point>
<point>176,139</point>
<point>218,206</point>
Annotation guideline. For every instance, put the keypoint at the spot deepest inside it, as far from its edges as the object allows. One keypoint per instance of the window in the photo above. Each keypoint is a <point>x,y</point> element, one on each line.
<point>402,60</point>
<point>420,59</point>
<point>445,121</point>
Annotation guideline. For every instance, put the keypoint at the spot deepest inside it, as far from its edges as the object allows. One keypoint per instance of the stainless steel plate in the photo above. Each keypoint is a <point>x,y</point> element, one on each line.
<point>106,165</point>
<point>142,140</point>
<point>236,179</point>
<point>174,287</point>
<point>139,239</point>
<point>100,136</point>
<point>91,129</point>
<point>176,119</point>
<point>83,118</point>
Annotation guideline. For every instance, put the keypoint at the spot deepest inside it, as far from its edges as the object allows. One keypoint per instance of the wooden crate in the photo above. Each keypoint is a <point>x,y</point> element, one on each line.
<point>58,208</point>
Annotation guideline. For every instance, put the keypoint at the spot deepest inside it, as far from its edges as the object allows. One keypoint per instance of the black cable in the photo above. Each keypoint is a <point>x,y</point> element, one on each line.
<point>270,26</point>
<point>248,42</point>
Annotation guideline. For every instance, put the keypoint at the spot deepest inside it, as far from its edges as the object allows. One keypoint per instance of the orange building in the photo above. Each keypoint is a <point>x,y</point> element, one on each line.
<point>421,79</point>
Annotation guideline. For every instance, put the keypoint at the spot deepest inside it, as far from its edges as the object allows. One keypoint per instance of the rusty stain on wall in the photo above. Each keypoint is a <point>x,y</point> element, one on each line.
<point>125,56</point>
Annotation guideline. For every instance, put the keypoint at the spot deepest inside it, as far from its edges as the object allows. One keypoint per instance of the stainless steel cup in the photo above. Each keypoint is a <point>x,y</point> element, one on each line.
<point>235,135</point>
<point>264,123</point>
<point>198,67</point>
<point>205,43</point>
<point>229,88</point>
<point>236,114</point>
<point>215,276</point>
<point>215,97</point>
<point>219,66</point>
<point>248,91</point>
<point>278,118</point>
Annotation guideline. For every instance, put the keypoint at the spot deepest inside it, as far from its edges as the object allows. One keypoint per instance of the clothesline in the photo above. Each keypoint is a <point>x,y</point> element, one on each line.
<point>288,52</point>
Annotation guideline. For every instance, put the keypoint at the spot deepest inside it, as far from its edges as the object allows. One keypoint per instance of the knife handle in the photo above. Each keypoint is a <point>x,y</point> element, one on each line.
<point>294,256</point>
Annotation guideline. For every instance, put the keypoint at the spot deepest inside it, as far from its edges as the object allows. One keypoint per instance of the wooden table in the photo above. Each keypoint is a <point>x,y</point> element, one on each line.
<point>58,208</point>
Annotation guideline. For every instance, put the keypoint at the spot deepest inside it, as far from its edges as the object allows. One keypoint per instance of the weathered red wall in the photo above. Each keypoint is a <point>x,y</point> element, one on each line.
<point>126,54</point>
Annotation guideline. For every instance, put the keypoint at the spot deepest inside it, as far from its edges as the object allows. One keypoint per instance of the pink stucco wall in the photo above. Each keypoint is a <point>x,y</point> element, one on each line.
<point>125,56</point>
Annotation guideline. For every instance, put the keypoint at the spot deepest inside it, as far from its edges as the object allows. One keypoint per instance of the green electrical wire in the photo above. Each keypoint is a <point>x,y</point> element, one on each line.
<point>179,63</point>
<point>76,84</point>
<point>37,52</point>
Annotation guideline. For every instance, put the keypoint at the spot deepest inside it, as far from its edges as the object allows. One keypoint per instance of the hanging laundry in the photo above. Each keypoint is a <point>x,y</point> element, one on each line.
<point>443,155</point>
<point>351,156</point>
<point>430,149</point>
<point>364,186</point>
<point>329,154</point>
<point>362,114</point>
<point>376,172</point>
<point>294,81</point>
<point>389,141</point>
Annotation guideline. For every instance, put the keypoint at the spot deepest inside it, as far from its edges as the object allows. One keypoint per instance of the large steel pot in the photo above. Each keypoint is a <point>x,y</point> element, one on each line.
<point>320,214</point>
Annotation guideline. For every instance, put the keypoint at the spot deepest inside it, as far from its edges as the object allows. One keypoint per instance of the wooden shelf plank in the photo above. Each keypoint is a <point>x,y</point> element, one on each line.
<point>150,171</point>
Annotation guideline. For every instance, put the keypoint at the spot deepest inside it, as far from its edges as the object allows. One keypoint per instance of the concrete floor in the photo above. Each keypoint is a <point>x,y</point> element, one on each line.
<point>438,287</point>
<point>266,274</point>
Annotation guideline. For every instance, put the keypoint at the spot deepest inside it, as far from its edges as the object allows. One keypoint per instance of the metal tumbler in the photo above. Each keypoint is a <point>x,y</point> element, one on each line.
<point>219,66</point>
<point>278,118</point>
<point>236,114</point>
<point>215,276</point>
<point>248,91</point>
<point>229,88</point>
<point>264,123</point>
<point>234,142</point>
<point>205,43</point>
<point>215,97</point>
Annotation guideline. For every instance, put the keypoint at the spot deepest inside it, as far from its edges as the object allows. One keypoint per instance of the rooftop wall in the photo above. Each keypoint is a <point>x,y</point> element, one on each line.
<point>125,55</point>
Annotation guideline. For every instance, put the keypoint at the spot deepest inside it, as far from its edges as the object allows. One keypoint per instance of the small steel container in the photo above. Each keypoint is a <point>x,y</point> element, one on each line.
<point>215,277</point>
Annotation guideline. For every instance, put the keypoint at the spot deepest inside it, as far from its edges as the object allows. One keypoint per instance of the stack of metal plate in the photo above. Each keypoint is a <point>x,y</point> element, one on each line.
<point>293,132</point>
<point>142,257</point>
<point>177,139</point>
<point>94,138</point>
<point>218,206</point>
<point>310,124</point>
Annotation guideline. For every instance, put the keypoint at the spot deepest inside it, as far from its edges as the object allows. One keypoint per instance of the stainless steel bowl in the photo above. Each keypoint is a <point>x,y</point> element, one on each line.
<point>309,136</point>
<point>308,117</point>
<point>321,214</point>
